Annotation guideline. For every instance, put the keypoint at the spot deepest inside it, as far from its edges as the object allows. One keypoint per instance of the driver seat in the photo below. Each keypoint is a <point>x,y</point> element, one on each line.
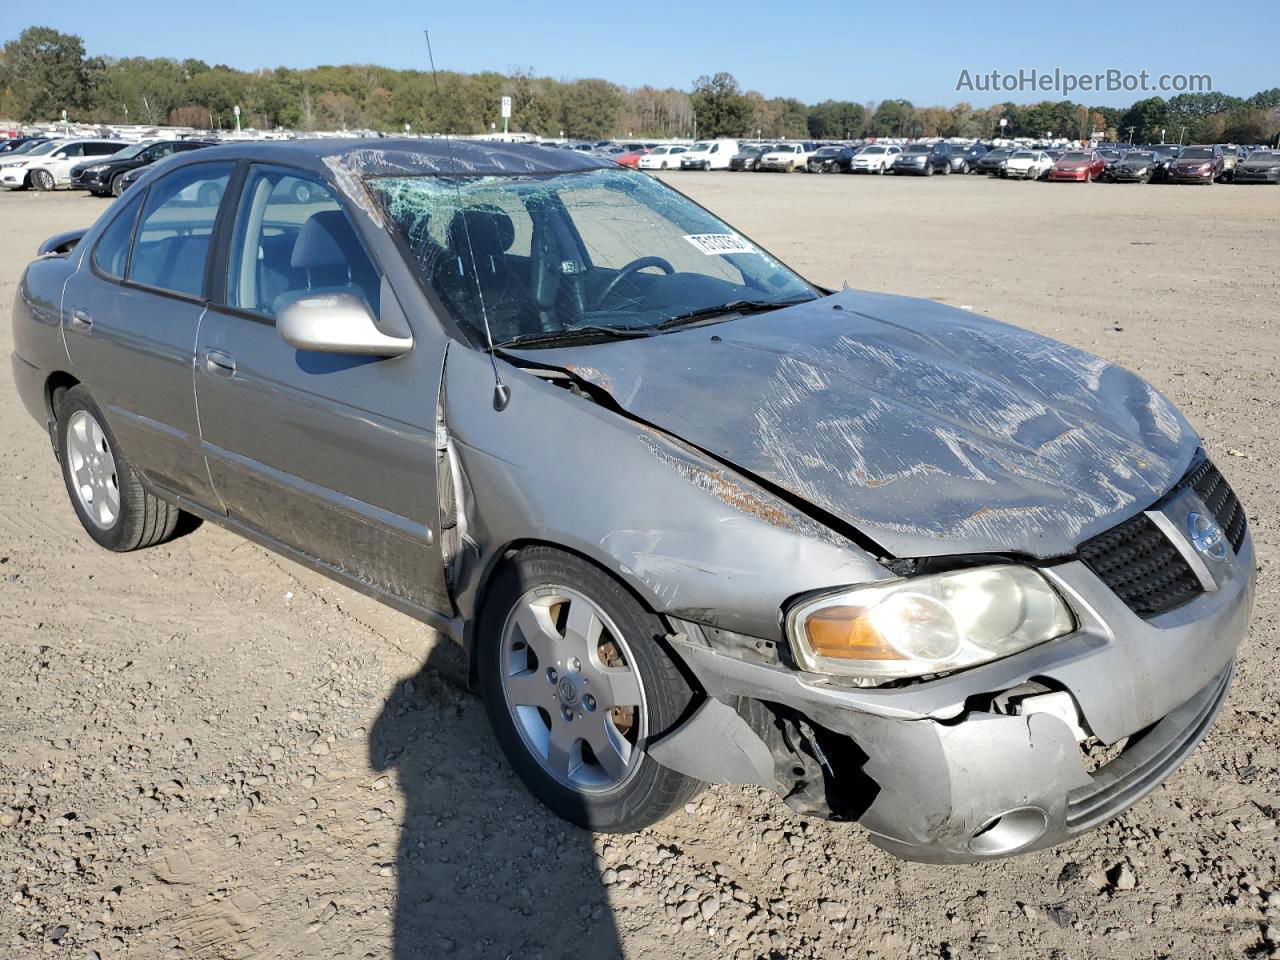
<point>476,260</point>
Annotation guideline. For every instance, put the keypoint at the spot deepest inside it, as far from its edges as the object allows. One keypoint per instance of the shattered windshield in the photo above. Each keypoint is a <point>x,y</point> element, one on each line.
<point>599,252</point>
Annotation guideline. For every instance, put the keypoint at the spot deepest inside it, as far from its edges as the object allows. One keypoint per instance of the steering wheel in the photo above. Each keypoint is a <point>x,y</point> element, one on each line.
<point>635,266</point>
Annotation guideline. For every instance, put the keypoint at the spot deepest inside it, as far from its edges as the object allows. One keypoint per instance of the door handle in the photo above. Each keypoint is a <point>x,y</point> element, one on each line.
<point>81,318</point>
<point>219,364</point>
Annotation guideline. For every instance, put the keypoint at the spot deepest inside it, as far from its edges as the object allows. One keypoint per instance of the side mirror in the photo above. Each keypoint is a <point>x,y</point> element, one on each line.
<point>336,323</point>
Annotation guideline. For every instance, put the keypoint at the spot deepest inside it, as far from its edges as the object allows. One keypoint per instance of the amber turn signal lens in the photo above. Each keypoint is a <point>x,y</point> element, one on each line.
<point>847,634</point>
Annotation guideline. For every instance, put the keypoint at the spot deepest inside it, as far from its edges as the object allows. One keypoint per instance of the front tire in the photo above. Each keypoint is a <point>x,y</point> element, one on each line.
<point>117,185</point>
<point>105,492</point>
<point>577,680</point>
<point>42,180</point>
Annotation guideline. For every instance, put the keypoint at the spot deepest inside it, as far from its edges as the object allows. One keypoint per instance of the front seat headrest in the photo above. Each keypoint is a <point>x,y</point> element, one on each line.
<point>490,231</point>
<point>325,240</point>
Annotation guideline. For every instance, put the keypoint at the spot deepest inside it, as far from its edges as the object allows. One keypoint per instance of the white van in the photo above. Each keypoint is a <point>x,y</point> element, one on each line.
<point>709,155</point>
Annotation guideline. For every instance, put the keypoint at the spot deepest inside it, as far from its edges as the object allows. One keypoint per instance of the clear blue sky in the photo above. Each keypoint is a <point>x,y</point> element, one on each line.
<point>810,50</point>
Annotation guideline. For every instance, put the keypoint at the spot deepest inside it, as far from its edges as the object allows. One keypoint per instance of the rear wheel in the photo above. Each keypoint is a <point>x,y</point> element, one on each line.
<point>110,501</point>
<point>577,682</point>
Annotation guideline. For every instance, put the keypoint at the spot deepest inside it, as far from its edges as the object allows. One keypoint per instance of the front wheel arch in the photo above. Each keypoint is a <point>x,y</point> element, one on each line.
<point>503,555</point>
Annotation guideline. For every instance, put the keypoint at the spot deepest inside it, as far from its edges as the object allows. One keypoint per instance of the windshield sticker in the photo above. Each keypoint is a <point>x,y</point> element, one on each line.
<point>713,244</point>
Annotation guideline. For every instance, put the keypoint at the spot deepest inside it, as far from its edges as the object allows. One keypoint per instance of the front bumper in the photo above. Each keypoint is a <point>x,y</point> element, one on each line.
<point>1179,176</point>
<point>1069,176</point>
<point>918,169</point>
<point>956,782</point>
<point>87,181</point>
<point>1257,176</point>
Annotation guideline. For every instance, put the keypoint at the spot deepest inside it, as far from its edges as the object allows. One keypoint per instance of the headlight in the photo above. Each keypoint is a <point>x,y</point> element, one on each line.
<point>928,624</point>
<point>96,168</point>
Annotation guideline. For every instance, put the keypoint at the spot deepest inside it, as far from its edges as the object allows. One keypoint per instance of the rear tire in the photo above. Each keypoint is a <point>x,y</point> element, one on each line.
<point>113,507</point>
<point>541,605</point>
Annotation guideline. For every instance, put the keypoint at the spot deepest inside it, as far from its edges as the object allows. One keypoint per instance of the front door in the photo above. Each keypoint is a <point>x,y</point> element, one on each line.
<point>333,456</point>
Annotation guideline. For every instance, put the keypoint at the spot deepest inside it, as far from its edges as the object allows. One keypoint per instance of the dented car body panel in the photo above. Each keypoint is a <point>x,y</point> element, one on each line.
<point>724,473</point>
<point>929,429</point>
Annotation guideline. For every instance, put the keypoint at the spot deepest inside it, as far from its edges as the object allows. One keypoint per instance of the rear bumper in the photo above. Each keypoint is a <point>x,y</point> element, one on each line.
<point>29,381</point>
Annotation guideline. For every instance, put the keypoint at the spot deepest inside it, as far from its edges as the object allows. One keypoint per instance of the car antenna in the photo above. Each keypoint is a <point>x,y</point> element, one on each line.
<point>501,392</point>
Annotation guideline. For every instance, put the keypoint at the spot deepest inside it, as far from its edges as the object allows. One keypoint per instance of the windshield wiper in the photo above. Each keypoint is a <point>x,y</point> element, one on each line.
<point>570,334</point>
<point>733,306</point>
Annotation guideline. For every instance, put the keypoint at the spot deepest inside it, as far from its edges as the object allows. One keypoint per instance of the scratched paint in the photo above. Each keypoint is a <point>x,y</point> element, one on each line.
<point>932,430</point>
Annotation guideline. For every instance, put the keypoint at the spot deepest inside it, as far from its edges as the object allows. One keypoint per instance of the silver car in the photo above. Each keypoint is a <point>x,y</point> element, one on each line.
<point>693,518</point>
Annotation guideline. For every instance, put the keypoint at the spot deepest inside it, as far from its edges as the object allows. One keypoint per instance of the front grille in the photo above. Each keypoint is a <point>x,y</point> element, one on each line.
<point>1218,496</point>
<point>1146,571</point>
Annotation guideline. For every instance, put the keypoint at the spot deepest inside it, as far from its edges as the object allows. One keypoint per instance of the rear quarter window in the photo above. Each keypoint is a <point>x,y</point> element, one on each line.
<point>111,253</point>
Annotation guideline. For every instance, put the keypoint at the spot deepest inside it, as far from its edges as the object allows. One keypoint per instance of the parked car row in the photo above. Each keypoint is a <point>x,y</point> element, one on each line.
<point>1197,163</point>
<point>98,165</point>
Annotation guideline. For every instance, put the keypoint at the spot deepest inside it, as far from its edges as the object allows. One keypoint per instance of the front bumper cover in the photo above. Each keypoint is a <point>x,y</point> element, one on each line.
<point>955,784</point>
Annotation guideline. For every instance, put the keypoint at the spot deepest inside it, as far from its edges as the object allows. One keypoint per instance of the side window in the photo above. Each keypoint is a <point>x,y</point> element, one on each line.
<point>291,235</point>
<point>101,149</point>
<point>112,250</point>
<point>177,223</point>
<point>160,150</point>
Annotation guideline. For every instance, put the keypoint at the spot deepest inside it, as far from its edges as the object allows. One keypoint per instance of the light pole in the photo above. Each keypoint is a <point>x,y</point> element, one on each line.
<point>236,111</point>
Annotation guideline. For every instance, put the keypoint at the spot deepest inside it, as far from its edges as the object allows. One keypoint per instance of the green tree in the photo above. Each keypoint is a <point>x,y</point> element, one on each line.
<point>1267,99</point>
<point>589,109</point>
<point>893,118</point>
<point>46,73</point>
<point>721,108</point>
<point>1147,118</point>
<point>836,120</point>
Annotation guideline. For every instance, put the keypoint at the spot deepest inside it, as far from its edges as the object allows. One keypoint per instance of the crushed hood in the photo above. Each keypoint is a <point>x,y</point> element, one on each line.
<point>931,430</point>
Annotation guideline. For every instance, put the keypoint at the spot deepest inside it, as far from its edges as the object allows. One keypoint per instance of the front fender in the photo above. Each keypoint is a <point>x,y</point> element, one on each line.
<point>691,537</point>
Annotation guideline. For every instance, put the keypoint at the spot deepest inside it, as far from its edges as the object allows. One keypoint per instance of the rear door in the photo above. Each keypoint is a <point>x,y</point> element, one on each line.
<point>333,456</point>
<point>130,313</point>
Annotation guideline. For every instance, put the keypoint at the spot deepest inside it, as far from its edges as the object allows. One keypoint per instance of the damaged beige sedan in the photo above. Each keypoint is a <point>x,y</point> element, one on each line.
<point>693,518</point>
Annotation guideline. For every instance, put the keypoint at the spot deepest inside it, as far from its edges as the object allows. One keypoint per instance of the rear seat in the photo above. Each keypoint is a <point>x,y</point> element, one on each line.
<point>159,263</point>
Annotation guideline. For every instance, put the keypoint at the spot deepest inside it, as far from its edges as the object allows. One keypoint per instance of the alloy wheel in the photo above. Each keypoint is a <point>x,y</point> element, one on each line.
<point>572,689</point>
<point>93,467</point>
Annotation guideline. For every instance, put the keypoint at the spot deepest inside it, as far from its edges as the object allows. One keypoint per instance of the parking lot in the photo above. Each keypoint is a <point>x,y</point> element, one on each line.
<point>253,762</point>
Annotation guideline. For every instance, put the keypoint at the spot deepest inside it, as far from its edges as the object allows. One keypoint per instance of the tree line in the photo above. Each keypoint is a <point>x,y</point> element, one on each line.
<point>43,72</point>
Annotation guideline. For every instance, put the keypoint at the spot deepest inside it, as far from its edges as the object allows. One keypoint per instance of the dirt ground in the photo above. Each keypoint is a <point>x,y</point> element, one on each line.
<point>208,752</point>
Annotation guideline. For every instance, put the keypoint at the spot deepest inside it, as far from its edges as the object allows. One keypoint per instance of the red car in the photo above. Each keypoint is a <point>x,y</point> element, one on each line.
<point>1078,165</point>
<point>631,159</point>
<point>1201,163</point>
